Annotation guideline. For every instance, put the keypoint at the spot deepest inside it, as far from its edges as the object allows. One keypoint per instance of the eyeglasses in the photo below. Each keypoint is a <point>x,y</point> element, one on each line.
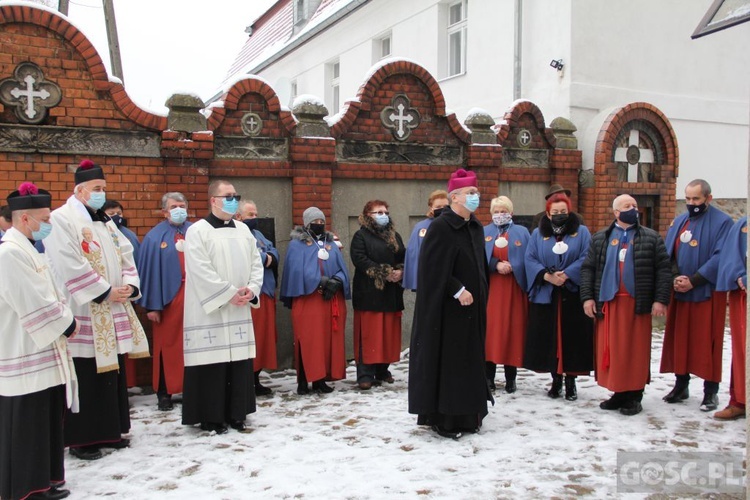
<point>230,197</point>
<point>386,212</point>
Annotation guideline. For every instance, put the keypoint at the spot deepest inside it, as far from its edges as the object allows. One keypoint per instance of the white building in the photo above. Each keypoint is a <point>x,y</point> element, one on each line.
<point>487,53</point>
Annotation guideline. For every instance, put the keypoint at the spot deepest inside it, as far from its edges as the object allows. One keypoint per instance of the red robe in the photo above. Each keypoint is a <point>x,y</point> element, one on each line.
<point>623,344</point>
<point>319,336</point>
<point>264,326</point>
<point>738,325</point>
<point>379,335</point>
<point>168,339</point>
<point>507,310</point>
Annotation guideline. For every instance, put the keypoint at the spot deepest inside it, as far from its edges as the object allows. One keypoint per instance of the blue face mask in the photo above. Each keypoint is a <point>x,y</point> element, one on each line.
<point>230,207</point>
<point>97,199</point>
<point>44,229</point>
<point>381,220</point>
<point>472,202</point>
<point>177,215</point>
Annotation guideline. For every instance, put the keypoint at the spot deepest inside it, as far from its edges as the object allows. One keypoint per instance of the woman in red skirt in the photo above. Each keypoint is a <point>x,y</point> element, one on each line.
<point>507,305</point>
<point>377,252</point>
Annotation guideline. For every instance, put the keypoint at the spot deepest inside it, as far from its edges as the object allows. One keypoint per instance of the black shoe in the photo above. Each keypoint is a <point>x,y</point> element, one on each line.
<point>117,445</point>
<point>614,403</point>
<point>710,402</point>
<point>491,384</point>
<point>54,493</point>
<point>321,387</point>
<point>556,390</point>
<point>238,425</point>
<point>214,427</point>
<point>387,378</point>
<point>447,434</point>
<point>510,386</point>
<point>165,403</point>
<point>571,393</point>
<point>679,392</point>
<point>303,389</point>
<point>262,390</point>
<point>631,407</point>
<point>86,452</point>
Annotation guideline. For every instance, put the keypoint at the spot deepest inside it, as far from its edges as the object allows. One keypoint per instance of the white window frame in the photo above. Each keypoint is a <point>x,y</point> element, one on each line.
<point>377,47</point>
<point>457,30</point>
<point>300,12</point>
<point>333,74</point>
<point>293,92</point>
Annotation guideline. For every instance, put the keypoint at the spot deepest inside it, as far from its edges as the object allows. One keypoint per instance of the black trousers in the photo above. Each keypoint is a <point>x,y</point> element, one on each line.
<point>218,393</point>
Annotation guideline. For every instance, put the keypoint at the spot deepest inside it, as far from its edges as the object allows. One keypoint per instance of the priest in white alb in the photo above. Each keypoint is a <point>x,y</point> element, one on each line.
<point>93,264</point>
<point>223,278</point>
<point>37,377</point>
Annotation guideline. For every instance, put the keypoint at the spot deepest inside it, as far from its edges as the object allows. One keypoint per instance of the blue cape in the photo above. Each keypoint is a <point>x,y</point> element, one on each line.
<point>611,273</point>
<point>539,257</point>
<point>733,264</point>
<point>518,240</point>
<point>266,247</point>
<point>159,268</point>
<point>709,231</point>
<point>302,267</point>
<point>133,238</point>
<point>411,260</point>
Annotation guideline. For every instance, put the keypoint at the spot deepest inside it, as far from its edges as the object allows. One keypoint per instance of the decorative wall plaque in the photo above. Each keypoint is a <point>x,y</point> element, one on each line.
<point>400,117</point>
<point>252,124</point>
<point>29,94</point>
<point>524,138</point>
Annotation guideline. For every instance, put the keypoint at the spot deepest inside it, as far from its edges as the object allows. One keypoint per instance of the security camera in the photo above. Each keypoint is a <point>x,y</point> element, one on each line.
<point>557,64</point>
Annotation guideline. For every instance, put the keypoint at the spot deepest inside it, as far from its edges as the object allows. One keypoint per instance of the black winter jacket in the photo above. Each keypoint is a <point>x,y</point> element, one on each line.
<point>373,260</point>
<point>653,273</point>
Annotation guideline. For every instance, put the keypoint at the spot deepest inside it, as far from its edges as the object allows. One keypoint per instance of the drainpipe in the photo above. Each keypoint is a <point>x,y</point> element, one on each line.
<point>517,49</point>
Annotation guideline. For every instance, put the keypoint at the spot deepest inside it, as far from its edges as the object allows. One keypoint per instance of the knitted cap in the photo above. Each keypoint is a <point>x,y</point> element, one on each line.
<point>312,214</point>
<point>461,179</point>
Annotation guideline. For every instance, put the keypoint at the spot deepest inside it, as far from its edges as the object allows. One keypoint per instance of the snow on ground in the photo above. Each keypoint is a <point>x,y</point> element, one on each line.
<point>354,444</point>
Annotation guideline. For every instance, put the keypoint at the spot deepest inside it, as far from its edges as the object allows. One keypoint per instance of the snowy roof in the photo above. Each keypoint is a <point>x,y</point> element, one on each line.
<point>273,32</point>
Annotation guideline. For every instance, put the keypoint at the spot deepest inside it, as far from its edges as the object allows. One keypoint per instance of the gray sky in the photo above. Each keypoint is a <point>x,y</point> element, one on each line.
<point>170,45</point>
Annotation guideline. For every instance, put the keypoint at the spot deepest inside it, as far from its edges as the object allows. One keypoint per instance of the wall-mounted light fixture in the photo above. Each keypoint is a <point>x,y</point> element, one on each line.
<point>557,64</point>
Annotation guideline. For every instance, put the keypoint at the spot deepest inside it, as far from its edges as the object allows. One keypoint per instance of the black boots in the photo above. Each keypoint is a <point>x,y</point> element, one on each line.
<point>710,402</point>
<point>490,369</point>
<point>260,389</point>
<point>680,391</point>
<point>510,378</point>
<point>556,390</point>
<point>571,394</point>
<point>320,387</point>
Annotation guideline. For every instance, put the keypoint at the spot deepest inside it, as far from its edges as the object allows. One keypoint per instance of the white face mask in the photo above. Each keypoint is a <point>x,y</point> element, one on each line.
<point>501,219</point>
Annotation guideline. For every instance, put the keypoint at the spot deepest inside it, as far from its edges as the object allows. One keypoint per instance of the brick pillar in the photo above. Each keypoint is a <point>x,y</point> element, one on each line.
<point>312,160</point>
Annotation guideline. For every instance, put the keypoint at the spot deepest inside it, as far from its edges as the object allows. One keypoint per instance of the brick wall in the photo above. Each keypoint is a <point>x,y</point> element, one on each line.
<point>97,119</point>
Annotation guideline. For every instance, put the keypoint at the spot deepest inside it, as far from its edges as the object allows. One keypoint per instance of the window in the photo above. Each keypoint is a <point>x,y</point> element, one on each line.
<point>457,14</point>
<point>381,48</point>
<point>293,92</point>
<point>333,73</point>
<point>300,11</point>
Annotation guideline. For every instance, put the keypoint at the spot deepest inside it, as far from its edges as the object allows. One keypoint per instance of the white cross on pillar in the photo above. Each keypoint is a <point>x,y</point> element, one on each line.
<point>252,124</point>
<point>401,118</point>
<point>633,156</point>
<point>29,94</point>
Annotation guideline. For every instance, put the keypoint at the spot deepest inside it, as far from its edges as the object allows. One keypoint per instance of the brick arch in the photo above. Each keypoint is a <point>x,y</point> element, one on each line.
<point>597,194</point>
<point>367,91</point>
<point>250,85</point>
<point>619,118</point>
<point>51,20</point>
<point>513,116</point>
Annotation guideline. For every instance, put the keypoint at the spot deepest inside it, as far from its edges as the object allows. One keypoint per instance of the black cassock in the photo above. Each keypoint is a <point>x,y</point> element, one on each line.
<point>31,442</point>
<point>447,384</point>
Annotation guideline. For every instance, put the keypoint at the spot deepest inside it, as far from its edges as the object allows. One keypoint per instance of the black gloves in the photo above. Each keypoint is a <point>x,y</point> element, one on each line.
<point>330,288</point>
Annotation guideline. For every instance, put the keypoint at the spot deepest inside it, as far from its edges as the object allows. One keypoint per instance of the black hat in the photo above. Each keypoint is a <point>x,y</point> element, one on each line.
<point>556,188</point>
<point>28,197</point>
<point>88,171</point>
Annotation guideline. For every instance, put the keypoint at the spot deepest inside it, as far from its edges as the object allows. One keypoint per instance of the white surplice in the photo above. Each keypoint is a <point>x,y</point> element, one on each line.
<point>219,261</point>
<point>88,257</point>
<point>34,353</point>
